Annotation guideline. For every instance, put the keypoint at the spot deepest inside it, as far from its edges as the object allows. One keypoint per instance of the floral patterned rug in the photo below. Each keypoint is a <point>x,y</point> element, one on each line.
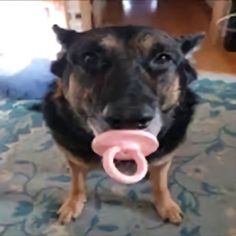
<point>34,178</point>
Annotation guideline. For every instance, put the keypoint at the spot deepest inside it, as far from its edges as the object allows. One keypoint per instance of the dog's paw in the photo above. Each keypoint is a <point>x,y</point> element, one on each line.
<point>71,208</point>
<point>170,211</point>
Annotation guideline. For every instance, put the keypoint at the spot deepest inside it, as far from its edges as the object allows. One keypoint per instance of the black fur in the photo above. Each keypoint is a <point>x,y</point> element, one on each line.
<point>66,128</point>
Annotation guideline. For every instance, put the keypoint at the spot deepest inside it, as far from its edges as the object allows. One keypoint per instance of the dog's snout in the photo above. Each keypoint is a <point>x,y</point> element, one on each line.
<point>128,117</point>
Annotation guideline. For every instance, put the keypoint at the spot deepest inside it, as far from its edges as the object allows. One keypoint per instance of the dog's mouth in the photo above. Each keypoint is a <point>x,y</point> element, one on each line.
<point>98,125</point>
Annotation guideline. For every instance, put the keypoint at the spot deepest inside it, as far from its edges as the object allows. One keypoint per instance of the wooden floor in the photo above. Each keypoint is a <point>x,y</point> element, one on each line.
<point>176,17</point>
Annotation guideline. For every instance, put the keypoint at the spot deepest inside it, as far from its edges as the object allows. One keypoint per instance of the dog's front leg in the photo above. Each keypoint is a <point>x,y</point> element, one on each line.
<point>76,199</point>
<point>167,208</point>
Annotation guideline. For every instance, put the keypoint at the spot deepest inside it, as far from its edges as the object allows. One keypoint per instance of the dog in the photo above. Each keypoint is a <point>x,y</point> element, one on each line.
<point>122,77</point>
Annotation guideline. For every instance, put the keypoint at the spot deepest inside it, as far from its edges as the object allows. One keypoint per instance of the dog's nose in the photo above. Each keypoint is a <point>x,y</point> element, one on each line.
<point>129,117</point>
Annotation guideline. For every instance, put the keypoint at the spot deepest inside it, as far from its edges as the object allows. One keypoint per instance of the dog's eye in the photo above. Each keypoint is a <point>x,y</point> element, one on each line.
<point>94,62</point>
<point>90,58</point>
<point>162,58</point>
<point>160,61</point>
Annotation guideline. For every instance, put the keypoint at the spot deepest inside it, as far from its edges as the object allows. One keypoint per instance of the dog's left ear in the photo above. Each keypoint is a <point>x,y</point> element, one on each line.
<point>65,37</point>
<point>190,44</point>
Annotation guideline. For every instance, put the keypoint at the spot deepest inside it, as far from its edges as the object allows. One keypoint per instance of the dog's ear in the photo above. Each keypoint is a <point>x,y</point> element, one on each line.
<point>65,37</point>
<point>190,44</point>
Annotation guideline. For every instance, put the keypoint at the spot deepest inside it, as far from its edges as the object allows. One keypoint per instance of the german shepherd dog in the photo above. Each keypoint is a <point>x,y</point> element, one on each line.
<point>124,77</point>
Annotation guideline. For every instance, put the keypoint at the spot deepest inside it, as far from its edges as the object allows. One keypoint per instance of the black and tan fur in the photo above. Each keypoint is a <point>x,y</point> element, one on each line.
<point>120,77</point>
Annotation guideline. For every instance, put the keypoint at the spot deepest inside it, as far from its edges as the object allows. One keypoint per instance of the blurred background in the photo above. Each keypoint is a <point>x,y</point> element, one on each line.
<point>27,43</point>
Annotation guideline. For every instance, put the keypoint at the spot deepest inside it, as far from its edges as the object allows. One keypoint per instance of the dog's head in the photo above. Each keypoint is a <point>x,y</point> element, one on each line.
<point>124,77</point>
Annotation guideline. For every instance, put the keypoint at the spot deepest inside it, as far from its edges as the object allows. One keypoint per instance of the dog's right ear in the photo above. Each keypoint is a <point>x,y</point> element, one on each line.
<point>65,37</point>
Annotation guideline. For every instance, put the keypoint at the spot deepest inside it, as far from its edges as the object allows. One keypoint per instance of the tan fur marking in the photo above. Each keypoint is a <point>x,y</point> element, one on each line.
<point>75,95</point>
<point>110,42</point>
<point>171,94</point>
<point>144,43</point>
<point>76,199</point>
<point>163,160</point>
<point>73,159</point>
<point>167,208</point>
<point>58,92</point>
<point>79,162</point>
<point>147,42</point>
<point>72,90</point>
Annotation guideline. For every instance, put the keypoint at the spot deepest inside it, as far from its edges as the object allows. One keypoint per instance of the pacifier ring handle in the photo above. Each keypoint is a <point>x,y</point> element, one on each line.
<point>108,164</point>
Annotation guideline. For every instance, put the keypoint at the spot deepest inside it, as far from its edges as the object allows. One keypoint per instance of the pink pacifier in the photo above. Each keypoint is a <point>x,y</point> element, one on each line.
<point>125,145</point>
